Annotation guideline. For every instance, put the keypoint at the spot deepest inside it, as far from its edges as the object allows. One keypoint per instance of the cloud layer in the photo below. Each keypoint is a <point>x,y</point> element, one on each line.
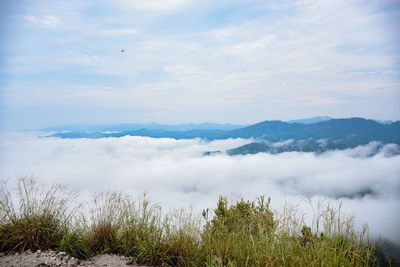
<point>234,61</point>
<point>175,174</point>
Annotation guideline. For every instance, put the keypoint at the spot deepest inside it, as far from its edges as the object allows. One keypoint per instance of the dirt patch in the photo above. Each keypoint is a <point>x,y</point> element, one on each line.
<point>61,259</point>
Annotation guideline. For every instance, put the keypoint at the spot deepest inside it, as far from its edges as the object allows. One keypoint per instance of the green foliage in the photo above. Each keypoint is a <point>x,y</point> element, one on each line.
<point>103,238</point>
<point>40,219</point>
<point>105,217</point>
<point>244,233</point>
<point>76,244</point>
<point>142,232</point>
<point>248,217</point>
<point>307,236</point>
<point>42,231</point>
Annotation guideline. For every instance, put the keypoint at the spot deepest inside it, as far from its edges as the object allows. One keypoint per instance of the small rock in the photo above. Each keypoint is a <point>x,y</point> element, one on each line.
<point>73,262</point>
<point>67,258</point>
<point>61,254</point>
<point>130,262</point>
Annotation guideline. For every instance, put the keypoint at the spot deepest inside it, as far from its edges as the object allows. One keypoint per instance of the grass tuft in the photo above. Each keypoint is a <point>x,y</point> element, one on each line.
<point>105,218</point>
<point>241,233</point>
<point>38,219</point>
<point>76,244</point>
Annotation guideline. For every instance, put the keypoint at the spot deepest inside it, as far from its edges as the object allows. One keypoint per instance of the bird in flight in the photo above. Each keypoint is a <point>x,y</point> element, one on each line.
<point>122,50</point>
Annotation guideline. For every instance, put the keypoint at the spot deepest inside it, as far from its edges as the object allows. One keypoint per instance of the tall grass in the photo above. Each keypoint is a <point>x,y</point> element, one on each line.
<point>241,233</point>
<point>39,217</point>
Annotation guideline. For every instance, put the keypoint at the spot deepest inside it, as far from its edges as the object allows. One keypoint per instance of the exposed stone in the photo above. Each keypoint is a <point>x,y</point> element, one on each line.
<point>62,259</point>
<point>61,254</point>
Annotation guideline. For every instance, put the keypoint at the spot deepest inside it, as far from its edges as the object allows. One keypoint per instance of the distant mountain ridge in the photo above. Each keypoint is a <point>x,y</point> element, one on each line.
<point>124,127</point>
<point>319,137</point>
<point>317,147</point>
<point>357,129</point>
<point>352,131</point>
<point>311,120</point>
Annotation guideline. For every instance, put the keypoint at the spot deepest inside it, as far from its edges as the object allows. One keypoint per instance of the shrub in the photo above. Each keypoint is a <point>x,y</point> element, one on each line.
<point>237,232</point>
<point>246,217</point>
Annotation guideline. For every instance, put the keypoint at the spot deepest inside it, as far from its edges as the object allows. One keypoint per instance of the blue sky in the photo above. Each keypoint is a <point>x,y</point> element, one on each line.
<point>234,61</point>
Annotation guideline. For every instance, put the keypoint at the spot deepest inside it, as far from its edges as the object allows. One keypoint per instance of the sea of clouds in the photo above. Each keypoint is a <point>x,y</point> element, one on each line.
<point>176,174</point>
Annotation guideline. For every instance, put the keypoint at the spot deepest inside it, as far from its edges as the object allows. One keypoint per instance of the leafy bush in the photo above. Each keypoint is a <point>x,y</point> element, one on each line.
<point>234,234</point>
<point>244,217</point>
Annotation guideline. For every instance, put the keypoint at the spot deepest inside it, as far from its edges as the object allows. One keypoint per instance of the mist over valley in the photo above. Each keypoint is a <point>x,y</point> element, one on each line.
<point>178,173</point>
<point>154,111</point>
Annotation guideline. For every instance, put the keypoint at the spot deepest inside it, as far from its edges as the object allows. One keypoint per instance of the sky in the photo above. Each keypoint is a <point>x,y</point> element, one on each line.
<point>227,61</point>
<point>175,174</point>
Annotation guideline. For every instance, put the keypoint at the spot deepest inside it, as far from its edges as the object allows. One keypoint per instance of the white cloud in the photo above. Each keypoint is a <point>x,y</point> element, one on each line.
<point>50,21</point>
<point>155,5</point>
<point>119,32</point>
<point>330,57</point>
<point>176,174</point>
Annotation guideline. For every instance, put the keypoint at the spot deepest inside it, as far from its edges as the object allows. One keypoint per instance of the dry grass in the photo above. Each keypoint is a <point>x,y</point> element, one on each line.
<point>39,218</point>
<point>243,233</point>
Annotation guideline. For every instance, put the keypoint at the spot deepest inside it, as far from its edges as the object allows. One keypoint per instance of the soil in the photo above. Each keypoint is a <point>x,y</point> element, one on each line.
<point>61,259</point>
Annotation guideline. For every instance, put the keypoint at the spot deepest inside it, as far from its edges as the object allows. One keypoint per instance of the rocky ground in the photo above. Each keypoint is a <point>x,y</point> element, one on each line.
<point>62,259</point>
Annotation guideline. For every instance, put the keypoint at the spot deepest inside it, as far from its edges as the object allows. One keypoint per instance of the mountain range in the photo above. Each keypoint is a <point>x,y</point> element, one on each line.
<point>149,126</point>
<point>325,134</point>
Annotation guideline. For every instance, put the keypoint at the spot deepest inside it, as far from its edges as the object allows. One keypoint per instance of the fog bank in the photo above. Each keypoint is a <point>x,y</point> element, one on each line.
<point>175,173</point>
